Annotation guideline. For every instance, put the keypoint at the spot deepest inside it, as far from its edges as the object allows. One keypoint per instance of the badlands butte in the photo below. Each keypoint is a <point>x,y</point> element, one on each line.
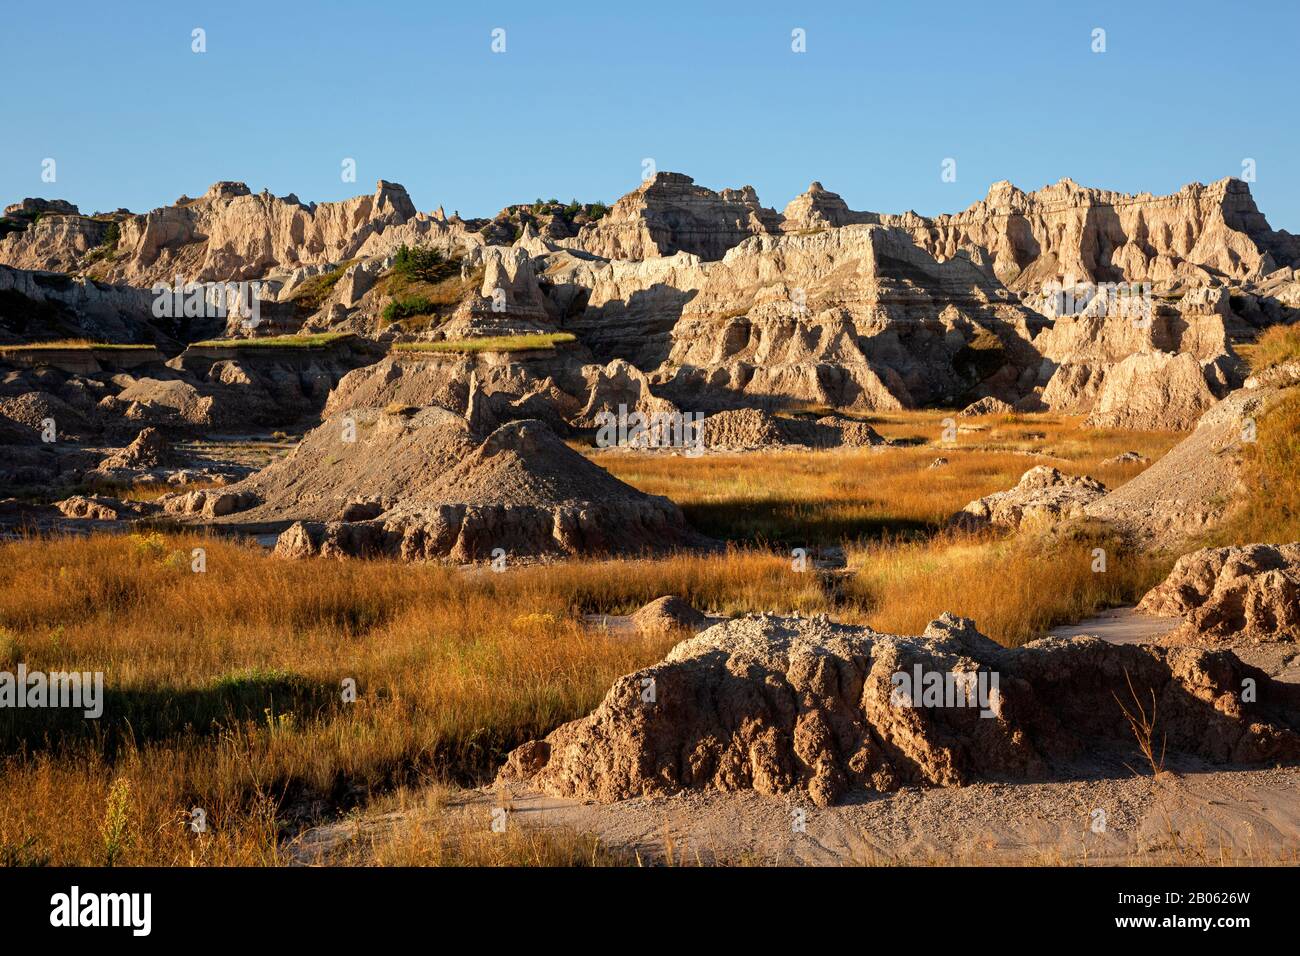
<point>362,381</point>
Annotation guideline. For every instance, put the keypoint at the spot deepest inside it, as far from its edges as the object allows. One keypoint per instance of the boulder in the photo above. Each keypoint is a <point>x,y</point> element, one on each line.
<point>1043,495</point>
<point>667,613</point>
<point>1249,593</point>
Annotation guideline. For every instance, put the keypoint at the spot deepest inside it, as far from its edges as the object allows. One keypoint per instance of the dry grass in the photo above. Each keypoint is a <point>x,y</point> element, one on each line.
<point>796,498</point>
<point>1277,345</point>
<point>314,340</point>
<point>313,292</point>
<point>1271,470</point>
<point>73,344</point>
<point>1015,589</point>
<point>225,687</point>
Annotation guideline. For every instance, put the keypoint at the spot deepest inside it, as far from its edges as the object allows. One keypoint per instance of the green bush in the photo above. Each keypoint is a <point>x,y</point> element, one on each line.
<point>400,309</point>
<point>423,265</point>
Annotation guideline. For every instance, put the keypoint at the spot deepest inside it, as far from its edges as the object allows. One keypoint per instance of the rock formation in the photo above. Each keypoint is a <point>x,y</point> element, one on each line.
<point>810,708</point>
<point>1043,497</point>
<point>1192,488</point>
<point>1233,594</point>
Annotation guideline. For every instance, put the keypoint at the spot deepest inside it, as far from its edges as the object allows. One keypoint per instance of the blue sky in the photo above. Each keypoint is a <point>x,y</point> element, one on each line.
<point>586,90</point>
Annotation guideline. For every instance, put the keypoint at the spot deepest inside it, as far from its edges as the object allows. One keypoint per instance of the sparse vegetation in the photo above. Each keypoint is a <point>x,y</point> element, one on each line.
<point>424,286</point>
<point>224,688</point>
<point>424,265</point>
<point>313,292</point>
<point>316,340</point>
<point>400,309</point>
<point>1271,469</point>
<point>499,343</point>
<point>78,344</point>
<point>1275,346</point>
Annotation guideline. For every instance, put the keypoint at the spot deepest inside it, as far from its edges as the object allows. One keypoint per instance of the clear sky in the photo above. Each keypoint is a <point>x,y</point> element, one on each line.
<point>585,91</point>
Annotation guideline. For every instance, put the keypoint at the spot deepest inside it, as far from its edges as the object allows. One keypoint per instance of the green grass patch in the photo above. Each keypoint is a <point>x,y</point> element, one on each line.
<point>492,343</point>
<point>316,340</point>
<point>83,345</point>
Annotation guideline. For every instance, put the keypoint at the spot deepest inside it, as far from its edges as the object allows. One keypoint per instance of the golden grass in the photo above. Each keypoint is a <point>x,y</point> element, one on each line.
<point>490,343</point>
<point>1277,345</point>
<point>1015,589</point>
<point>797,498</point>
<point>1271,470</point>
<point>313,292</point>
<point>314,340</point>
<point>72,344</point>
<point>225,687</point>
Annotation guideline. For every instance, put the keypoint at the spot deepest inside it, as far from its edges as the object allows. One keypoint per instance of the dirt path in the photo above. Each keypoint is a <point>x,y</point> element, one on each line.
<point>1198,817</point>
<point>1120,625</point>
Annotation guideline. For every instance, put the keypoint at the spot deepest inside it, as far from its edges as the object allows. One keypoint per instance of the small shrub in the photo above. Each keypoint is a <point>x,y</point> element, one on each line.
<point>115,830</point>
<point>400,309</point>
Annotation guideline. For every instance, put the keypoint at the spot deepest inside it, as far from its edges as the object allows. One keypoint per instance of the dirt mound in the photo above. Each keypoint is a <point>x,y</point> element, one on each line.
<point>443,382</point>
<point>24,418</point>
<point>366,454</point>
<point>166,402</point>
<point>668,613</point>
<point>1127,458</point>
<point>149,450</point>
<point>742,428</point>
<point>1194,485</point>
<point>1249,593</point>
<point>99,508</point>
<point>441,495</point>
<point>840,431</point>
<point>747,429</point>
<point>1042,495</point>
<point>987,406</point>
<point>785,706</point>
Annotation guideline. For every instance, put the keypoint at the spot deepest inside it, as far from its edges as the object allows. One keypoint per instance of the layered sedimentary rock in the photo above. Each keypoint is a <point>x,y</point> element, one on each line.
<point>854,318</point>
<point>668,213</point>
<point>1197,236</point>
<point>42,306</point>
<point>227,234</point>
<point>1249,593</point>
<point>810,708</point>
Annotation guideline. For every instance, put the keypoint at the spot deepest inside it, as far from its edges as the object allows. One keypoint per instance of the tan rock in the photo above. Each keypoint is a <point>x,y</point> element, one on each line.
<point>801,708</point>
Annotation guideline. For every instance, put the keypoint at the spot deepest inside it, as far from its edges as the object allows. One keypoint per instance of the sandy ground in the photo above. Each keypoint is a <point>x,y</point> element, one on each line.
<point>1104,813</point>
<point>1195,817</point>
<point>1124,625</point>
<point>1121,625</point>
